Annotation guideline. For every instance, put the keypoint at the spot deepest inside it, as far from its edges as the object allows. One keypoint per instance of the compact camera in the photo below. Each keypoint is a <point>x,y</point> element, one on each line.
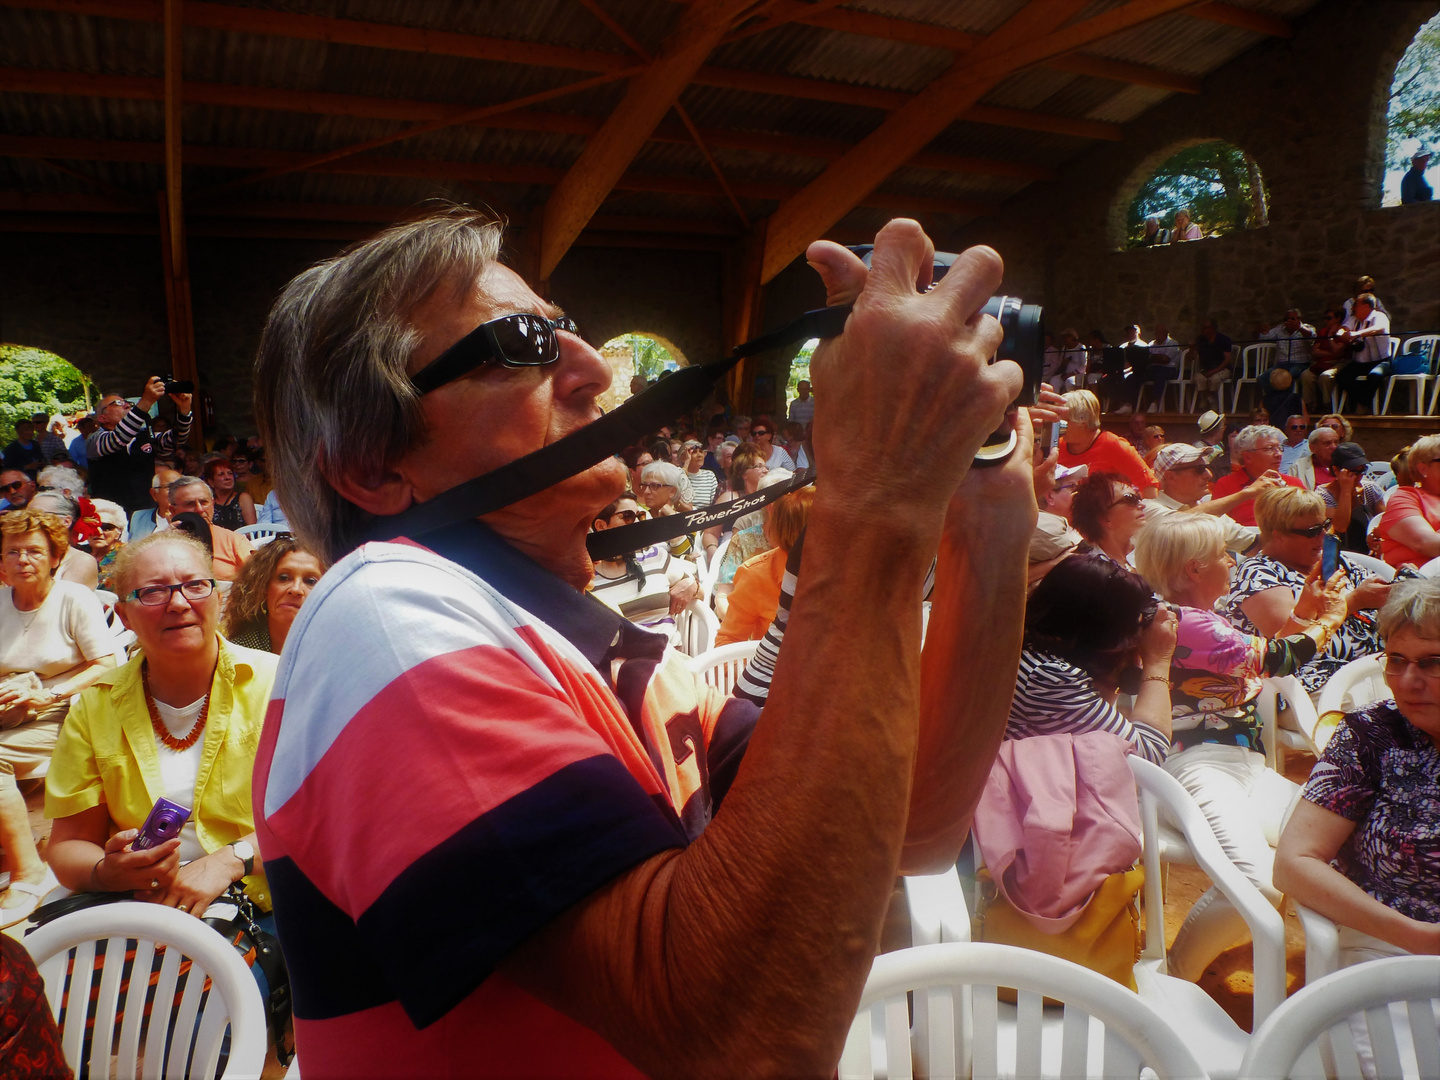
<point>164,822</point>
<point>178,386</point>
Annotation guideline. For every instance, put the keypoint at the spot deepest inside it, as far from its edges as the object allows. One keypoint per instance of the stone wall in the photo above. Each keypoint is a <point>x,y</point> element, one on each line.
<point>1311,111</point>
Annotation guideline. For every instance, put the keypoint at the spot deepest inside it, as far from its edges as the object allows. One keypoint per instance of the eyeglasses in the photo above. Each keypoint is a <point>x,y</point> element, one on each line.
<point>1396,665</point>
<point>757,432</point>
<point>631,516</point>
<point>1130,498</point>
<point>16,486</point>
<point>106,527</point>
<point>1310,532</point>
<point>649,486</point>
<point>520,340</point>
<point>155,595</point>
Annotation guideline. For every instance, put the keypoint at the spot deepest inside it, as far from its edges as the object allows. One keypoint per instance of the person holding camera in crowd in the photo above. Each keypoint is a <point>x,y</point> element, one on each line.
<point>122,453</point>
<point>606,875</point>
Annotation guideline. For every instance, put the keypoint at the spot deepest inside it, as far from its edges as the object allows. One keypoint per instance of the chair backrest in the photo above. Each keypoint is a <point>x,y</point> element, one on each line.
<point>1131,1035</point>
<point>82,958</point>
<point>258,534</point>
<point>1256,358</point>
<point>696,627</point>
<point>721,666</point>
<point>1307,719</point>
<point>1428,345</point>
<point>1354,686</point>
<point>1267,928</point>
<point>1380,472</point>
<point>1379,567</point>
<point>711,574</point>
<point>1287,1043</point>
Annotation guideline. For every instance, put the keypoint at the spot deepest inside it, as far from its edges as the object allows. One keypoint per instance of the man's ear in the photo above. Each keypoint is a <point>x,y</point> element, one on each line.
<point>384,494</point>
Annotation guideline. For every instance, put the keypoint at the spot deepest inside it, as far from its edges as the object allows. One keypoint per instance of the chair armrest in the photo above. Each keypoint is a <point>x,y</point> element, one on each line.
<point>1322,944</point>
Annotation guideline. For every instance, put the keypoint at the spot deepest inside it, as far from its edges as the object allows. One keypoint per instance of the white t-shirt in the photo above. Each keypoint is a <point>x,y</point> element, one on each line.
<point>703,486</point>
<point>62,633</point>
<point>779,459</point>
<point>179,770</point>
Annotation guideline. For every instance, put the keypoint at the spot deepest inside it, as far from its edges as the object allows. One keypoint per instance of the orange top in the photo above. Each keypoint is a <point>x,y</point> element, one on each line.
<point>754,599</point>
<point>229,550</point>
<point>1109,453</point>
<point>1405,502</point>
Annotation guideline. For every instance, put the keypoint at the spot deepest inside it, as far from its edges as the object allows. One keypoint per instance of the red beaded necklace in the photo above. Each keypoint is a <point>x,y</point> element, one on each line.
<point>162,732</point>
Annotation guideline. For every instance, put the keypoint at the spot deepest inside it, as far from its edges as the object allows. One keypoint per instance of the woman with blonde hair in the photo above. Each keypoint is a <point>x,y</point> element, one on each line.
<point>1410,527</point>
<point>1216,748</point>
<point>1267,588</point>
<point>267,595</point>
<point>756,595</point>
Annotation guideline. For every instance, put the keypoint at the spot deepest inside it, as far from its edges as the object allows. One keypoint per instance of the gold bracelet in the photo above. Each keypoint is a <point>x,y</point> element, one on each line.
<point>1159,678</point>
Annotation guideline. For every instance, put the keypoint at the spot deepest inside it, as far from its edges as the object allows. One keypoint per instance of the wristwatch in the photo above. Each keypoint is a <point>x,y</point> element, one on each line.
<point>245,852</point>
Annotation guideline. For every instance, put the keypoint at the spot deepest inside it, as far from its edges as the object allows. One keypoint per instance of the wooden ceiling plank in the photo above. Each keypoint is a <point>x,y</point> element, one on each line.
<point>1245,18</point>
<point>174,206</point>
<point>1135,74</point>
<point>648,98</point>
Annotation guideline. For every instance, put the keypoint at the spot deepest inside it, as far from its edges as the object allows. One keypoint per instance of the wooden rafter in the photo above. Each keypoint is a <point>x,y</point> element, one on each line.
<point>429,169</point>
<point>648,98</point>
<point>409,39</point>
<point>140,88</point>
<point>1027,38</point>
<point>1245,18</point>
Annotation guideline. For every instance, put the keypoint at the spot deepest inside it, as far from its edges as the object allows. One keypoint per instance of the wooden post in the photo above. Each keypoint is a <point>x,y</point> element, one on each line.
<point>172,225</point>
<point>744,310</point>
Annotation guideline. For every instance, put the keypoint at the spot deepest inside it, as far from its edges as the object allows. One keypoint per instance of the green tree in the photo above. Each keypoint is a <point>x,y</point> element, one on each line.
<point>1219,182</point>
<point>649,355</point>
<point>32,381</point>
<point>799,369</point>
<point>1414,113</point>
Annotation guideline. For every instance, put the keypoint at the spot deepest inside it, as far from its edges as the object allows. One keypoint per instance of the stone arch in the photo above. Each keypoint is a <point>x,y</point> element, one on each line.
<point>1117,221</point>
<point>36,379</point>
<point>1403,32</point>
<point>619,353</point>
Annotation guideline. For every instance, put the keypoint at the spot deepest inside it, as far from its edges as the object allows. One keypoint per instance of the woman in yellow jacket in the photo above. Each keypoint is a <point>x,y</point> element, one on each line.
<point>182,720</point>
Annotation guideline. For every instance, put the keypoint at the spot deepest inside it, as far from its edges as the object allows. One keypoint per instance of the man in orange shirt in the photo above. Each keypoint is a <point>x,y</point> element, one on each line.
<point>1258,448</point>
<point>1104,451</point>
<point>229,550</point>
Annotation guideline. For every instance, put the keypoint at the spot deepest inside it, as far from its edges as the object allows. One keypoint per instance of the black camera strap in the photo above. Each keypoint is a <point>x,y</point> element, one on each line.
<point>605,437</point>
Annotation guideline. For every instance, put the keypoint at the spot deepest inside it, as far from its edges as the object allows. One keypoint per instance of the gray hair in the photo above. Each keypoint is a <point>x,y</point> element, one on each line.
<point>665,473</point>
<point>331,389</point>
<point>112,513</point>
<point>1316,434</point>
<point>1251,438</point>
<point>59,478</point>
<point>69,507</point>
<point>1413,604</point>
<point>177,486</point>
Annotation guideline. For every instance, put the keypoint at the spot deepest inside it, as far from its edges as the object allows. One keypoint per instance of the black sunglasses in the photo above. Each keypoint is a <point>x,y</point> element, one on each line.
<point>1311,531</point>
<point>1130,498</point>
<point>520,340</point>
<point>16,486</point>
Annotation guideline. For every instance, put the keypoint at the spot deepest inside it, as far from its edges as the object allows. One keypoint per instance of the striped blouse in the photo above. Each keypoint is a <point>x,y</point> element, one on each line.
<point>1056,697</point>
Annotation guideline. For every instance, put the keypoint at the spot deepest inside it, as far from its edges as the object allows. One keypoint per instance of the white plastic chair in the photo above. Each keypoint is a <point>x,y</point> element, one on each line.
<point>1254,360</point>
<point>258,535</point>
<point>1379,567</point>
<point>696,627</point>
<point>1431,568</point>
<point>1322,944</point>
<point>1106,1031</point>
<point>711,572</point>
<point>722,666</point>
<point>1287,1044</point>
<point>1357,684</point>
<point>1180,384</point>
<point>107,599</point>
<point>1215,1039</point>
<point>1340,402</point>
<point>195,1029</point>
<point>1302,712</point>
<point>1422,344</point>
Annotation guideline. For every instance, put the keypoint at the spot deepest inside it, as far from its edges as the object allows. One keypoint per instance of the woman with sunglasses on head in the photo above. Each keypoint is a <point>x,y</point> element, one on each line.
<point>1108,512</point>
<point>1216,749</point>
<point>1265,589</point>
<point>181,720</point>
<point>649,587</point>
<point>267,595</point>
<point>106,544</point>
<point>1363,846</point>
<point>53,643</point>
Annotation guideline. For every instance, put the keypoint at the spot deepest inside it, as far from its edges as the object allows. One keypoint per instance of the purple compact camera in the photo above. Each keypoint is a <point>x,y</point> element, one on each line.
<point>164,823</point>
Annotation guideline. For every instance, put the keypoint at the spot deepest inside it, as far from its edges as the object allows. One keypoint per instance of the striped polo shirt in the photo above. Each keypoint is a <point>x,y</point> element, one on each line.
<point>460,747</point>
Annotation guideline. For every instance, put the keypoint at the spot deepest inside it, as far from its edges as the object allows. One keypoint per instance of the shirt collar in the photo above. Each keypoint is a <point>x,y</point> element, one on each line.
<point>600,633</point>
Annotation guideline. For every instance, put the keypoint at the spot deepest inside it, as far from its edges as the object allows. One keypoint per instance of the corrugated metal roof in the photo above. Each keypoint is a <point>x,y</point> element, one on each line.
<point>60,42</point>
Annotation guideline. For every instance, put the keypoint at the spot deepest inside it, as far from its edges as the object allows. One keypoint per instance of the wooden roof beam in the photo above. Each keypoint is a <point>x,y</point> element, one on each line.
<point>428,169</point>
<point>1029,37</point>
<point>648,98</point>
<point>1245,18</point>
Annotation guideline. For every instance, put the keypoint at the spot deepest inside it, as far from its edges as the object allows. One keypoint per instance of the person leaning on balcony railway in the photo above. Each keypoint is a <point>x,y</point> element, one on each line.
<point>613,916</point>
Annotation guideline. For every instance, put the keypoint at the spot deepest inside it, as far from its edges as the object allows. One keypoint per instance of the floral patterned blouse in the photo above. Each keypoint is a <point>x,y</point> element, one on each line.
<point>1383,773</point>
<point>1355,638</point>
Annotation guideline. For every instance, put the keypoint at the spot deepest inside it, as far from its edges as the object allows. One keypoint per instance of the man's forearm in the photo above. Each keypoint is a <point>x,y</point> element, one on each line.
<point>967,678</point>
<point>1225,503</point>
<point>754,943</point>
<point>109,442</point>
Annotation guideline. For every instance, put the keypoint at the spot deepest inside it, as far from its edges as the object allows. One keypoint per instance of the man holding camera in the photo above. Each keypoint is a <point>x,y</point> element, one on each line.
<point>494,818</point>
<point>122,452</point>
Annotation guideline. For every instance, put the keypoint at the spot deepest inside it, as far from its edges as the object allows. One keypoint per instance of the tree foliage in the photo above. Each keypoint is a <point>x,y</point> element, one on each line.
<point>1219,182</point>
<point>1414,114</point>
<point>649,356</point>
<point>32,381</point>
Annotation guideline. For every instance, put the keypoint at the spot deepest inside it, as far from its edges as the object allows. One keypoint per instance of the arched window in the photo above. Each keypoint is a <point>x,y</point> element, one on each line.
<point>1216,183</point>
<point>1413,118</point>
<point>637,355</point>
<point>35,381</point>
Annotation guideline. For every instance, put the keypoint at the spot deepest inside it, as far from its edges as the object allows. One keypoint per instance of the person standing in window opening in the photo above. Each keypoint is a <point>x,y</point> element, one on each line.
<point>1154,234</point>
<point>1413,187</point>
<point>802,409</point>
<point>1184,230</point>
